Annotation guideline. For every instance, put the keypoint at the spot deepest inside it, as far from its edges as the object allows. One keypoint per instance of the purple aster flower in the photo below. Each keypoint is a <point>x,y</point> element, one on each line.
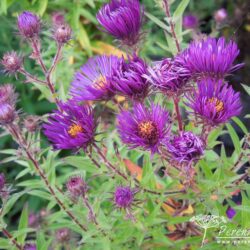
<point>71,127</point>
<point>214,101</point>
<point>93,81</point>
<point>129,79</point>
<point>220,15</point>
<point>28,24</point>
<point>124,197</point>
<point>185,147</point>
<point>2,181</point>
<point>122,19</point>
<point>230,213</point>
<point>143,127</point>
<point>170,76</point>
<point>190,22</point>
<point>211,58</point>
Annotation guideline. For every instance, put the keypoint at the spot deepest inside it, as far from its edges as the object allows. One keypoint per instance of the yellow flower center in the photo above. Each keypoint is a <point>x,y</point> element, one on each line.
<point>219,105</point>
<point>148,131</point>
<point>100,82</point>
<point>74,130</point>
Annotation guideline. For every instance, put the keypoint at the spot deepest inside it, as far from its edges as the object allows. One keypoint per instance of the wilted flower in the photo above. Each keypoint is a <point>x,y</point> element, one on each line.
<point>93,81</point>
<point>169,76</point>
<point>28,24</point>
<point>190,21</point>
<point>2,181</point>
<point>63,235</point>
<point>129,80</point>
<point>214,102</point>
<point>211,58</point>
<point>31,123</point>
<point>7,113</point>
<point>230,213</point>
<point>7,94</point>
<point>143,127</point>
<point>62,33</point>
<point>220,15</point>
<point>11,62</point>
<point>122,19</point>
<point>76,186</point>
<point>185,147</point>
<point>71,127</point>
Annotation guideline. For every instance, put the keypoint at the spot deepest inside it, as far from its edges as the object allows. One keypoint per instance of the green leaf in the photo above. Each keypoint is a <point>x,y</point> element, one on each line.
<point>234,137</point>
<point>23,223</point>
<point>42,7</point>
<point>240,124</point>
<point>157,21</point>
<point>180,9</point>
<point>246,88</point>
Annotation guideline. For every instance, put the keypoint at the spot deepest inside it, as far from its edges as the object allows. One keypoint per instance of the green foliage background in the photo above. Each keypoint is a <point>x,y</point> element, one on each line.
<point>214,177</point>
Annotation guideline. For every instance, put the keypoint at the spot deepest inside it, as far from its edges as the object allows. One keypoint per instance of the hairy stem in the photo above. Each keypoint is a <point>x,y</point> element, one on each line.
<point>16,133</point>
<point>91,212</point>
<point>29,76</point>
<point>11,238</point>
<point>113,168</point>
<point>178,114</point>
<point>167,10</point>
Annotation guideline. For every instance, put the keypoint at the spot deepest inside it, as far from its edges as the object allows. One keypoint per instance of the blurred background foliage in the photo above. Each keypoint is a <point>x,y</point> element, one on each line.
<point>88,40</point>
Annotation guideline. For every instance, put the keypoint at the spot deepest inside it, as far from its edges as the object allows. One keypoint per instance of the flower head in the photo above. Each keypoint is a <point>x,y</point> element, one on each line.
<point>230,213</point>
<point>185,147</point>
<point>7,113</point>
<point>129,80</point>
<point>169,75</point>
<point>93,81</point>
<point>214,102</point>
<point>76,186</point>
<point>28,24</point>
<point>11,62</point>
<point>71,127</point>
<point>31,123</point>
<point>58,18</point>
<point>143,127</point>
<point>2,181</point>
<point>124,197</point>
<point>122,19</point>
<point>190,22</point>
<point>62,33</point>
<point>7,94</point>
<point>211,58</point>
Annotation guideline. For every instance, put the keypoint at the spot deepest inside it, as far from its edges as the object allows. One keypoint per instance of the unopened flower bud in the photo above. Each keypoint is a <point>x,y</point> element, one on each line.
<point>190,22</point>
<point>30,246</point>
<point>31,123</point>
<point>7,113</point>
<point>28,24</point>
<point>63,235</point>
<point>62,33</point>
<point>220,15</point>
<point>58,19</point>
<point>2,181</point>
<point>7,94</point>
<point>76,186</point>
<point>11,62</point>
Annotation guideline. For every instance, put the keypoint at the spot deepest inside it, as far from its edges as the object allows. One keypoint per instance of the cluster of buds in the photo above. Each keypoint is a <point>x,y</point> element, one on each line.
<point>7,104</point>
